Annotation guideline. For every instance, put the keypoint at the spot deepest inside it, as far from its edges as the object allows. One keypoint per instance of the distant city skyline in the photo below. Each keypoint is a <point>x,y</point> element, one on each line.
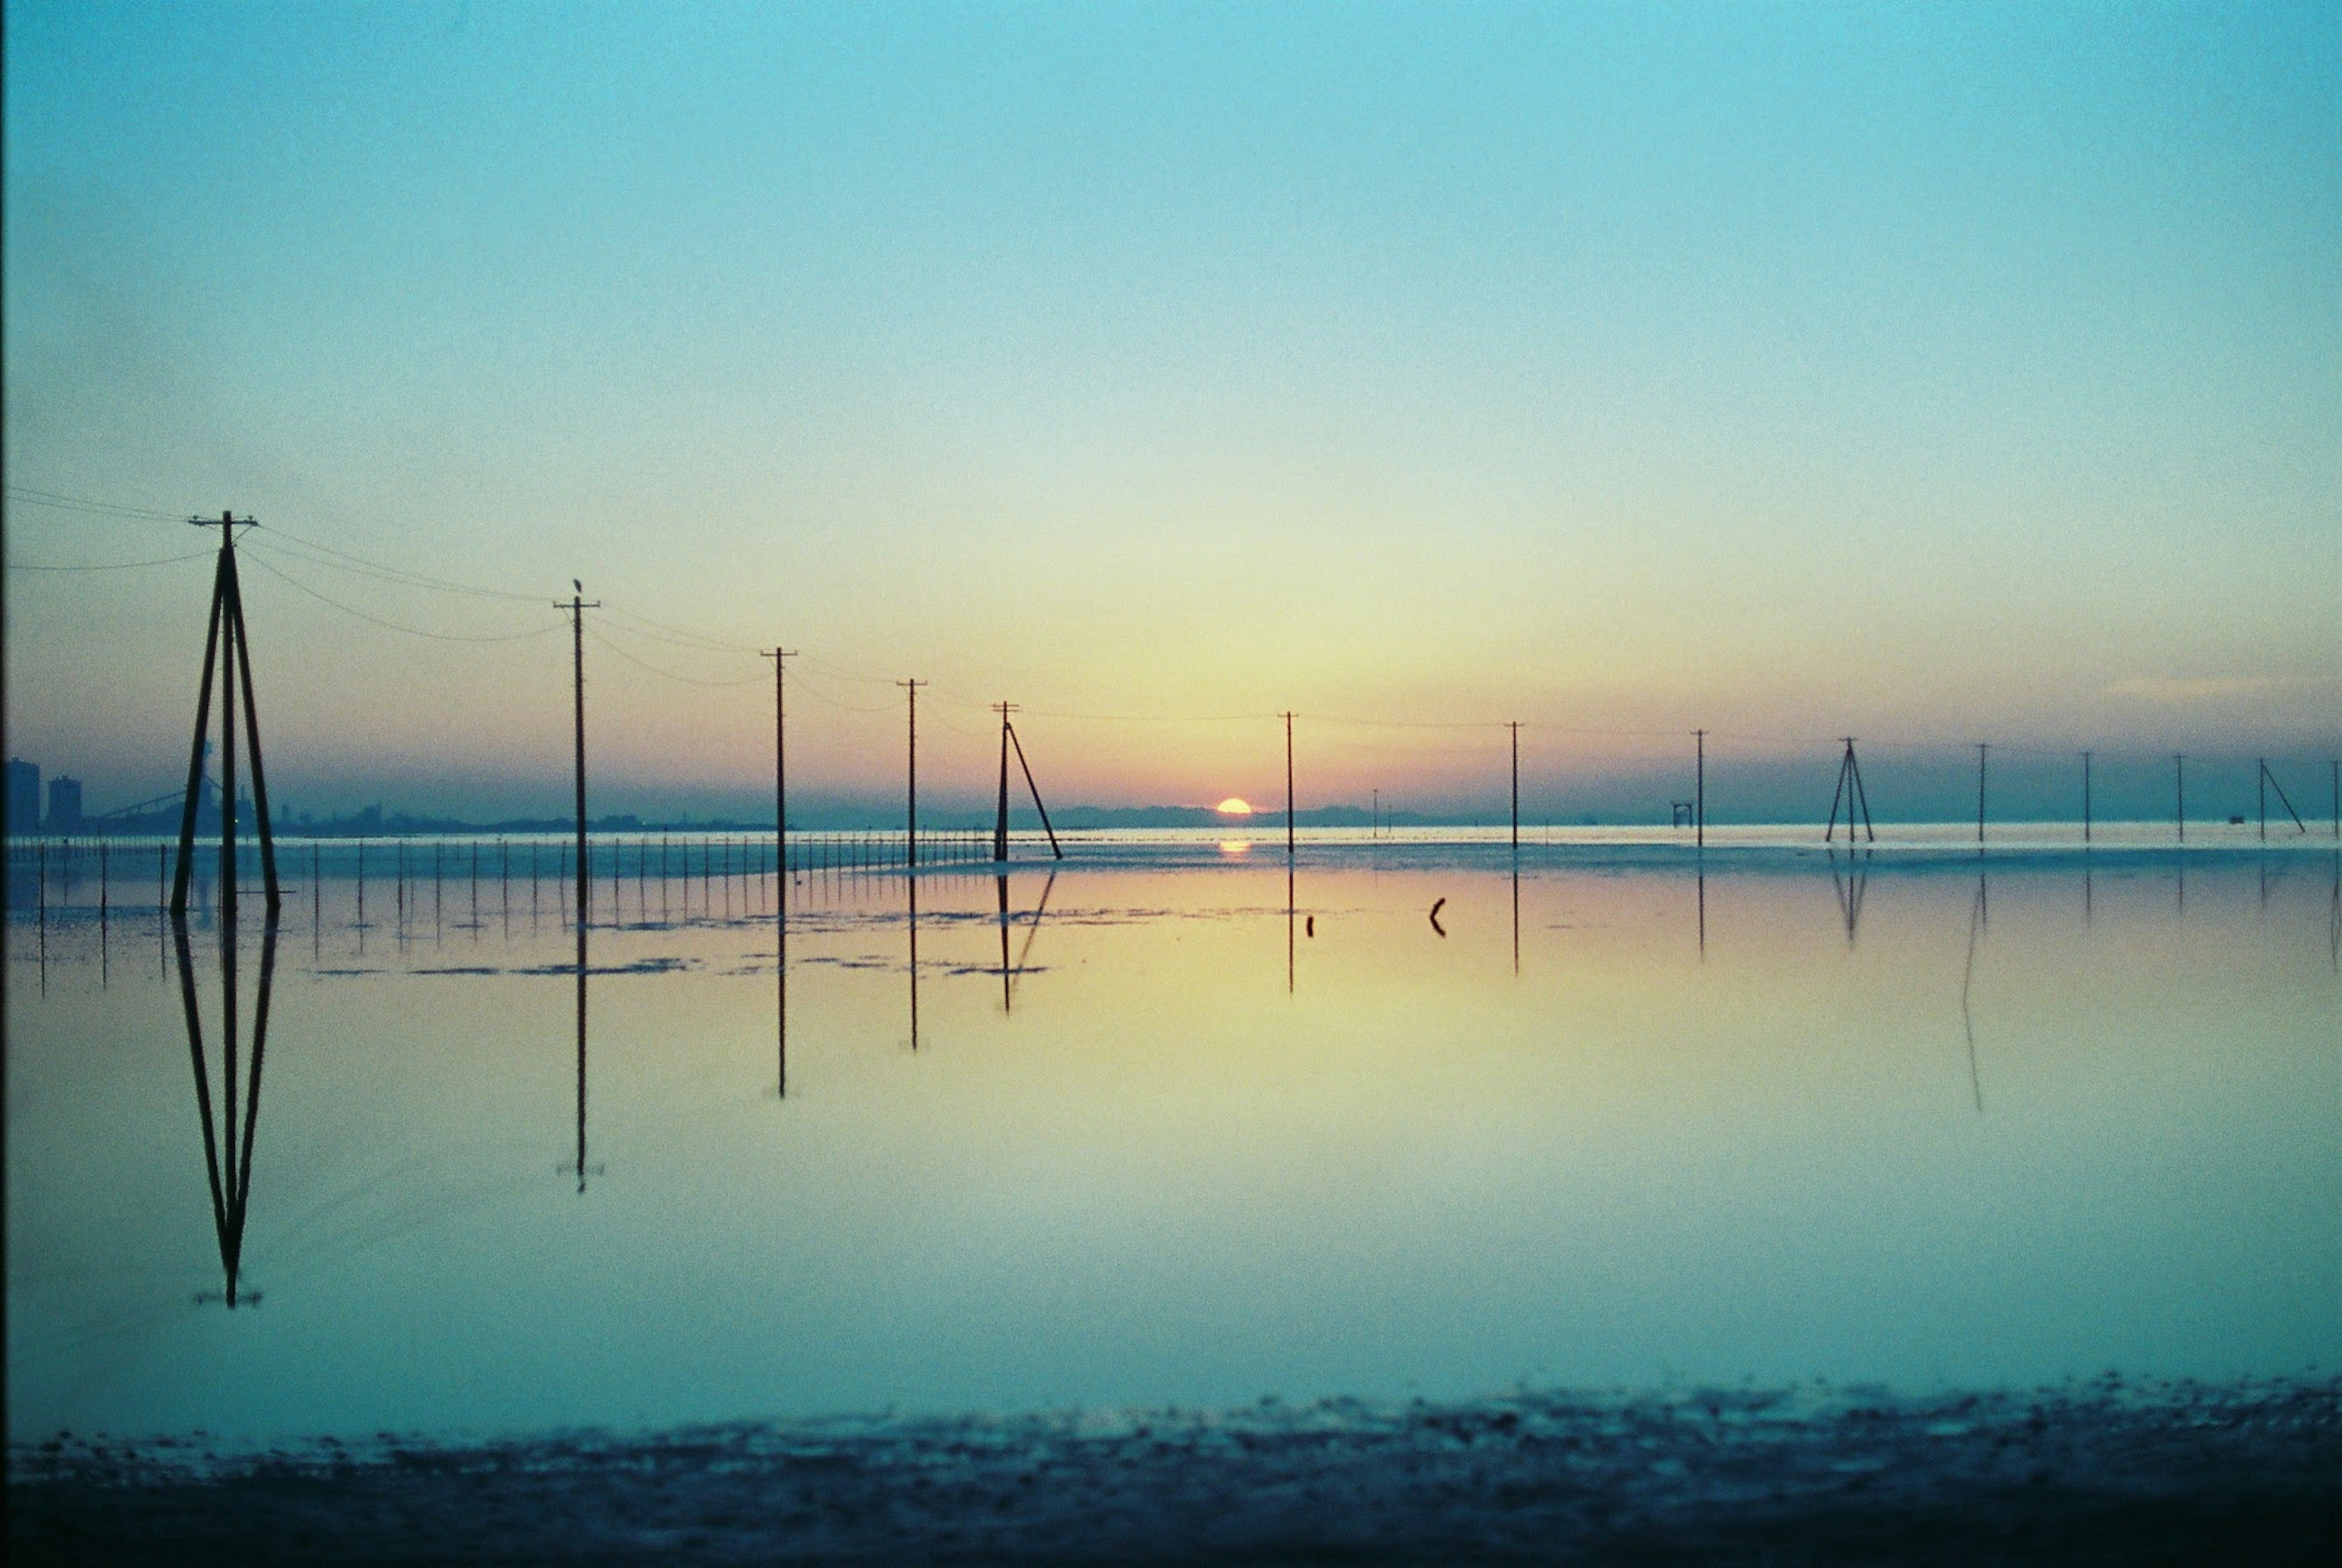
<point>1934,375</point>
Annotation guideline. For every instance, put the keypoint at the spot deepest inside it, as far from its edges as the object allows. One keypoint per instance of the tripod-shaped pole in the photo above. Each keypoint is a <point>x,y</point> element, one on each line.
<point>1000,823</point>
<point>1850,791</point>
<point>226,646</point>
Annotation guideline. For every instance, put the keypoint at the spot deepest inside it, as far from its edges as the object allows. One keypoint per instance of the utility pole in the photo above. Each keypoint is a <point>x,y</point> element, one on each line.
<point>577,606</point>
<point>1288,788</point>
<point>2086,797</point>
<point>1377,831</point>
<point>1981,749</point>
<point>227,645</point>
<point>780,655</point>
<point>1000,823</point>
<point>911,834</point>
<point>1699,790</point>
<point>1515,725</point>
<point>2179,788</point>
<point>2262,763</point>
<point>1850,790</point>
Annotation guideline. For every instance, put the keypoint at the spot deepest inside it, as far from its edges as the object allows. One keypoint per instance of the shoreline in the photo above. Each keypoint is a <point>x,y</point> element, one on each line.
<point>2248,1470</point>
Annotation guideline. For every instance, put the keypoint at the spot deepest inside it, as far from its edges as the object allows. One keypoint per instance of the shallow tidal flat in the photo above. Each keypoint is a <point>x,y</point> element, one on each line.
<point>1180,1202</point>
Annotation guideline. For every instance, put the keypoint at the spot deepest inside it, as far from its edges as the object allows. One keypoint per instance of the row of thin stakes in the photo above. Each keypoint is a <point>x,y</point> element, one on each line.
<point>65,863</point>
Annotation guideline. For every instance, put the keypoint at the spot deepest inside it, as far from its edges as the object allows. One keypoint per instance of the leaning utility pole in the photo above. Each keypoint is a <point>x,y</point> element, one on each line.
<point>1288,787</point>
<point>577,606</point>
<point>1029,784</point>
<point>911,833</point>
<point>779,655</point>
<point>225,625</point>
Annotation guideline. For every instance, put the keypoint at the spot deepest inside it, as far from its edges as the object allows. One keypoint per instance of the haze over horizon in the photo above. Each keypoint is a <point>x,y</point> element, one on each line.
<point>1935,376</point>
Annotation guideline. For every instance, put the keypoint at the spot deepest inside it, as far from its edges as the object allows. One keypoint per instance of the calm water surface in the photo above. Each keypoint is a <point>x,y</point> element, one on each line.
<point>1148,1138</point>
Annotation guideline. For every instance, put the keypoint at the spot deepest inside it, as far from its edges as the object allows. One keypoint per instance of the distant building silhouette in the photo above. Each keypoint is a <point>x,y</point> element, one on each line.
<point>23,797</point>
<point>64,805</point>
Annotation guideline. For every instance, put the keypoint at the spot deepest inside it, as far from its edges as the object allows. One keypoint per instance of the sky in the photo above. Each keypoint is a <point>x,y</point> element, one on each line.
<point>1935,375</point>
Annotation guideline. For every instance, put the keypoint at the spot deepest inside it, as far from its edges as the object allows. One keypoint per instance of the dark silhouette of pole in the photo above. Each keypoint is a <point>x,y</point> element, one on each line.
<point>1288,795</point>
<point>1700,790</point>
<point>1029,784</point>
<point>261,825</point>
<point>577,606</point>
<point>2179,792</point>
<point>780,655</point>
<point>2262,780</point>
<point>2269,782</point>
<point>1515,725</point>
<point>226,647</point>
<point>1850,789</point>
<point>1000,823</point>
<point>1981,749</point>
<point>2086,797</point>
<point>911,830</point>
<point>228,773</point>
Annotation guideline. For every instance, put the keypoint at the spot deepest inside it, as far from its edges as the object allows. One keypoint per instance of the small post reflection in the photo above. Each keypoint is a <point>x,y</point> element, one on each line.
<point>227,1159</point>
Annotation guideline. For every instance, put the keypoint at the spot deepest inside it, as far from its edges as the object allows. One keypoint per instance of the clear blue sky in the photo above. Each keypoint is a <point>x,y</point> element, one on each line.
<point>1940,373</point>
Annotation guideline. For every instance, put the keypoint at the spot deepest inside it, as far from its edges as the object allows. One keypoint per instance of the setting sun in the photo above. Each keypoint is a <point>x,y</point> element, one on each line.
<point>1232,807</point>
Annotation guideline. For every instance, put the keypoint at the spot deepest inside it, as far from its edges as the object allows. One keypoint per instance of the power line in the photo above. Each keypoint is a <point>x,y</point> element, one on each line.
<point>83,503</point>
<point>393,625</point>
<point>401,573</point>
<point>110,565</point>
<point>669,674</point>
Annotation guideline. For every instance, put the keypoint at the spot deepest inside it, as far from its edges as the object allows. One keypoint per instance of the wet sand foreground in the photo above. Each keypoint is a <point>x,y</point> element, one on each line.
<point>2246,1471</point>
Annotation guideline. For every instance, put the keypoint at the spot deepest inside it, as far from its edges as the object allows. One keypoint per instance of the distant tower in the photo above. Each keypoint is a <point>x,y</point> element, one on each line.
<point>64,805</point>
<point>23,798</point>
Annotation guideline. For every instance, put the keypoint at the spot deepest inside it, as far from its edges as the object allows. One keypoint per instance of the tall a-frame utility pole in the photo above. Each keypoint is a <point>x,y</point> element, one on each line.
<point>226,645</point>
<point>1000,824</point>
<point>1850,789</point>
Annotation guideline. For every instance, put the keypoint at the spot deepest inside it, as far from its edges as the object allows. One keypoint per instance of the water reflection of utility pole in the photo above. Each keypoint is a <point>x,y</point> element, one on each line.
<point>1967,979</point>
<point>1700,874</point>
<point>911,889</point>
<point>1288,925</point>
<point>582,1166</point>
<point>227,1159</point>
<point>781,979</point>
<point>1850,886</point>
<point>1002,882</point>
